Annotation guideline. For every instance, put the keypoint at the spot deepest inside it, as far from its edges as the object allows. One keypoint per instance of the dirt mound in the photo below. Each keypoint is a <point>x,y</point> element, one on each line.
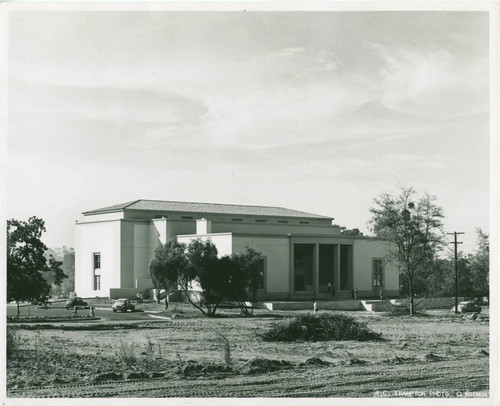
<point>110,376</point>
<point>432,357</point>
<point>355,361</point>
<point>315,361</point>
<point>481,353</point>
<point>398,360</point>
<point>157,374</point>
<point>264,365</point>
<point>58,381</point>
<point>136,375</point>
<point>194,368</point>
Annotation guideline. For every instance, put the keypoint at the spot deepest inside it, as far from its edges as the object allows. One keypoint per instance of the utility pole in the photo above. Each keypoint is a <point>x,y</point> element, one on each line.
<point>455,242</point>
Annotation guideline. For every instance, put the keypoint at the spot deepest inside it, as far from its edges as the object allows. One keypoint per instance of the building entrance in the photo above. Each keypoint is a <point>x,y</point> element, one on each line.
<point>303,257</point>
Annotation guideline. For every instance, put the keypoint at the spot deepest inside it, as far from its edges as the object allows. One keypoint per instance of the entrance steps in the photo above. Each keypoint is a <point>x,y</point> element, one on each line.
<point>378,305</point>
<point>308,305</point>
<point>348,304</point>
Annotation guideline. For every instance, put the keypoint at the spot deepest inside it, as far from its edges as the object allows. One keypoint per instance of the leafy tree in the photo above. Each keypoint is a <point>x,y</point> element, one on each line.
<point>219,281</point>
<point>203,267</point>
<point>440,279</point>
<point>168,267</point>
<point>473,269</point>
<point>480,265</point>
<point>227,278</point>
<point>67,257</point>
<point>414,226</point>
<point>68,266</point>
<point>353,232</point>
<point>27,266</point>
<point>251,274</point>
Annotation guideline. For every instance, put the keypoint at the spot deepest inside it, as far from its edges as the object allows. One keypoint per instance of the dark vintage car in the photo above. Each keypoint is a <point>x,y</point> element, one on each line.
<point>122,305</point>
<point>75,302</point>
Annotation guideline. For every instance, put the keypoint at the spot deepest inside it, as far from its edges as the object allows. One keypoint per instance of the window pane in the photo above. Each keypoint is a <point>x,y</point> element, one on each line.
<point>97,260</point>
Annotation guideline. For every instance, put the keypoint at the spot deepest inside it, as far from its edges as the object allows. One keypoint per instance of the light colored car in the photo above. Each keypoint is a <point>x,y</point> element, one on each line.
<point>122,305</point>
<point>468,306</point>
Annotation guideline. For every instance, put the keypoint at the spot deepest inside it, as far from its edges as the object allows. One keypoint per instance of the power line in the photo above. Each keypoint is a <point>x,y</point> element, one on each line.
<point>455,242</point>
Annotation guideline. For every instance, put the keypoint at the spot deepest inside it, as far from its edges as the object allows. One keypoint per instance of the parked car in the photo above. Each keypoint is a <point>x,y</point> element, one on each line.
<point>75,301</point>
<point>468,306</point>
<point>122,305</point>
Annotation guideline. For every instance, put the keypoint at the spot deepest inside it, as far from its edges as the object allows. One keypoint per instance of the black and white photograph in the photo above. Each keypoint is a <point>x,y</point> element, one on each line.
<point>214,200</point>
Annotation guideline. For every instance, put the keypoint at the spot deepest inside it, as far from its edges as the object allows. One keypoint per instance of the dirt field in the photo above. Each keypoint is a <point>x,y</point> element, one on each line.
<point>438,355</point>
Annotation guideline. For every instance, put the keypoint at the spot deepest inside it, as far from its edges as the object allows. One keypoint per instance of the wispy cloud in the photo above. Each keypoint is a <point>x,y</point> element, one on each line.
<point>315,111</point>
<point>433,82</point>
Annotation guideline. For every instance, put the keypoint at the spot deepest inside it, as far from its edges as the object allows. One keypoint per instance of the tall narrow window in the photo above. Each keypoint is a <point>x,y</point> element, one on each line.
<point>97,282</point>
<point>97,270</point>
<point>378,271</point>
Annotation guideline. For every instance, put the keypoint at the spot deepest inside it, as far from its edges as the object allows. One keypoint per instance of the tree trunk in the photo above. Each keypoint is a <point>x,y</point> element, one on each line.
<point>254,297</point>
<point>17,302</point>
<point>185,290</point>
<point>410,288</point>
<point>244,308</point>
<point>158,293</point>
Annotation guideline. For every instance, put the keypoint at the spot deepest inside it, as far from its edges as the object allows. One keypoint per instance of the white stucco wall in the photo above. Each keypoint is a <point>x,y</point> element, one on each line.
<point>180,227</point>
<point>364,251</point>
<point>272,227</point>
<point>149,214</point>
<point>277,253</point>
<point>104,216</point>
<point>158,232</point>
<point>223,242</point>
<point>103,237</point>
<point>135,252</point>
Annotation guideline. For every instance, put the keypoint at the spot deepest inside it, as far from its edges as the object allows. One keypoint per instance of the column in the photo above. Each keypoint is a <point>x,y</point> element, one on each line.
<point>337,270</point>
<point>316,269</point>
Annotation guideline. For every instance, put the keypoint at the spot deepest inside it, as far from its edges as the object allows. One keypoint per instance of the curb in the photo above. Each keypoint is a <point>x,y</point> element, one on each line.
<point>160,317</point>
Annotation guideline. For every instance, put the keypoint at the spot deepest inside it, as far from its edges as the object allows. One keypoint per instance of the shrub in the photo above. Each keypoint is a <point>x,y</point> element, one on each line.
<point>14,343</point>
<point>226,349</point>
<point>322,327</point>
<point>127,353</point>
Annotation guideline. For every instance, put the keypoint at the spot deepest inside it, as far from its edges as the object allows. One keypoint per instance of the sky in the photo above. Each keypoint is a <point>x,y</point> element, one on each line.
<point>312,111</point>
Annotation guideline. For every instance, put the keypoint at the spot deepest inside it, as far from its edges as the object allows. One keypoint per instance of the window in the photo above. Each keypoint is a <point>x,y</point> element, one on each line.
<point>283,221</point>
<point>236,219</point>
<point>187,217</point>
<point>97,282</point>
<point>378,271</point>
<point>97,270</point>
<point>304,222</point>
<point>97,260</point>
<point>260,221</point>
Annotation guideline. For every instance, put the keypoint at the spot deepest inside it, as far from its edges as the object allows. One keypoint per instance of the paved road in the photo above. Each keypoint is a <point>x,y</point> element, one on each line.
<point>105,314</point>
